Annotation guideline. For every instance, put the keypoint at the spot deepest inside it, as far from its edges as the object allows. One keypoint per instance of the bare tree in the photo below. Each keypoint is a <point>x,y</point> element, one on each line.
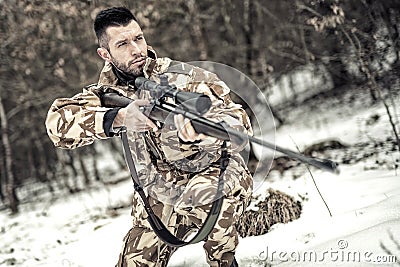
<point>10,184</point>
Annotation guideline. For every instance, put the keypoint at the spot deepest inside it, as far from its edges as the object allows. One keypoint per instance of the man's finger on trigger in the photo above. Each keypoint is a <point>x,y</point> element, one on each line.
<point>151,124</point>
<point>143,129</point>
<point>141,117</point>
<point>144,120</point>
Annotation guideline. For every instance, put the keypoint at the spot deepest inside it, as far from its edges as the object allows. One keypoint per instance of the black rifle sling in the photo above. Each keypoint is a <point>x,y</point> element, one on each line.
<point>155,222</point>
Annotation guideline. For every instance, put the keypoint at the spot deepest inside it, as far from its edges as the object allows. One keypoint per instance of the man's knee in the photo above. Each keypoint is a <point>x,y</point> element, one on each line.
<point>142,248</point>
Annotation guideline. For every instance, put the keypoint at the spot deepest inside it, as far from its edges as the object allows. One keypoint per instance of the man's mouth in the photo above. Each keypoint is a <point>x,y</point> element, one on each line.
<point>138,61</point>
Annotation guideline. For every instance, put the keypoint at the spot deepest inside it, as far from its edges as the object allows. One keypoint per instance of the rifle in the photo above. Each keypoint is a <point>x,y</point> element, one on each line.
<point>192,106</point>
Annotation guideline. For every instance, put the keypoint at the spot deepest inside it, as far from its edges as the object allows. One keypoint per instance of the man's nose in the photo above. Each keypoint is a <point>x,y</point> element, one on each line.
<point>135,48</point>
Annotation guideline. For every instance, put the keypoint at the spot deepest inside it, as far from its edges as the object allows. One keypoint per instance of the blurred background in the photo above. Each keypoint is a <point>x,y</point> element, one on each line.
<point>292,50</point>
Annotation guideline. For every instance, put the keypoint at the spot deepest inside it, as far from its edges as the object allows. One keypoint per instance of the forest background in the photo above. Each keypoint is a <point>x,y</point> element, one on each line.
<point>48,50</point>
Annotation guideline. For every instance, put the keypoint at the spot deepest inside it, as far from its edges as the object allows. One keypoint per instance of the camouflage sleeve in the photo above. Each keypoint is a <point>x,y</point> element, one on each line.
<point>223,109</point>
<point>77,121</point>
<point>197,156</point>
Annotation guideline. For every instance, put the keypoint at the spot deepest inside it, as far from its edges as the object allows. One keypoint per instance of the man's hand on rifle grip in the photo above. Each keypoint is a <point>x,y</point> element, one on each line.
<point>133,118</point>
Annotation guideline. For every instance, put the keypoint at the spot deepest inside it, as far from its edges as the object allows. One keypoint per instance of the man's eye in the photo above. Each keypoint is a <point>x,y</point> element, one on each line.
<point>121,44</point>
<point>139,38</point>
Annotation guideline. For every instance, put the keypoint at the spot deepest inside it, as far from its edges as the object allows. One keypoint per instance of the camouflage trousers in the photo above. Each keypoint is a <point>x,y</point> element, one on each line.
<point>141,246</point>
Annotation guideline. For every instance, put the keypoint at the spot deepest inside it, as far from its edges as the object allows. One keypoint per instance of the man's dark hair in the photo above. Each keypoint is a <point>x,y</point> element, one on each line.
<point>114,16</point>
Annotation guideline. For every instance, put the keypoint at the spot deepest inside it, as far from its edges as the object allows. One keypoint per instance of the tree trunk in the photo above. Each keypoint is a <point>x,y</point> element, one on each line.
<point>94,154</point>
<point>85,173</point>
<point>248,34</point>
<point>10,184</point>
<point>2,179</point>
<point>119,155</point>
<point>196,29</point>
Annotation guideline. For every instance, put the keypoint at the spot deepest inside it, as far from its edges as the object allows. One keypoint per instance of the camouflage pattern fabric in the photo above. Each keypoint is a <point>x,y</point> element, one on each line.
<point>143,248</point>
<point>179,175</point>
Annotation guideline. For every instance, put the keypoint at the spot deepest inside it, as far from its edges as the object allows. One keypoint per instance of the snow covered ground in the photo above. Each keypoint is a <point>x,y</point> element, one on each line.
<point>364,230</point>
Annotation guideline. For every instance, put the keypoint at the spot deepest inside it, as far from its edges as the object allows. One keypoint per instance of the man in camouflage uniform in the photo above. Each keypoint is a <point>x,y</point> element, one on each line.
<point>180,168</point>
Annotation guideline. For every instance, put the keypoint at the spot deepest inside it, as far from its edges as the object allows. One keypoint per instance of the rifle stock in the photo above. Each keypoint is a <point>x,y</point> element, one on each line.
<point>114,100</point>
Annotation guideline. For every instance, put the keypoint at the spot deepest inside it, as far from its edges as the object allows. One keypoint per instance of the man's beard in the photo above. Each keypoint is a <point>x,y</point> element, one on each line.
<point>128,68</point>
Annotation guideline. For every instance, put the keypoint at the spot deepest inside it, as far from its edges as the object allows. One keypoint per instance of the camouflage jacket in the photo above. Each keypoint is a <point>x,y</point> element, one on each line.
<point>163,157</point>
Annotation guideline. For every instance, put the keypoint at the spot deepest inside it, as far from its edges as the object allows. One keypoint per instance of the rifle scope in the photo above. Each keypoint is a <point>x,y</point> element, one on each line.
<point>190,101</point>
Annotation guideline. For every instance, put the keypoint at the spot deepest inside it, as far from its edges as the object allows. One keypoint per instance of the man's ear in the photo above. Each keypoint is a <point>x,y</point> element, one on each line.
<point>104,54</point>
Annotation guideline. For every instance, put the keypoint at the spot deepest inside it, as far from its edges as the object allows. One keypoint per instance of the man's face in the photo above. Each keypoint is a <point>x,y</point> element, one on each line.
<point>127,48</point>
